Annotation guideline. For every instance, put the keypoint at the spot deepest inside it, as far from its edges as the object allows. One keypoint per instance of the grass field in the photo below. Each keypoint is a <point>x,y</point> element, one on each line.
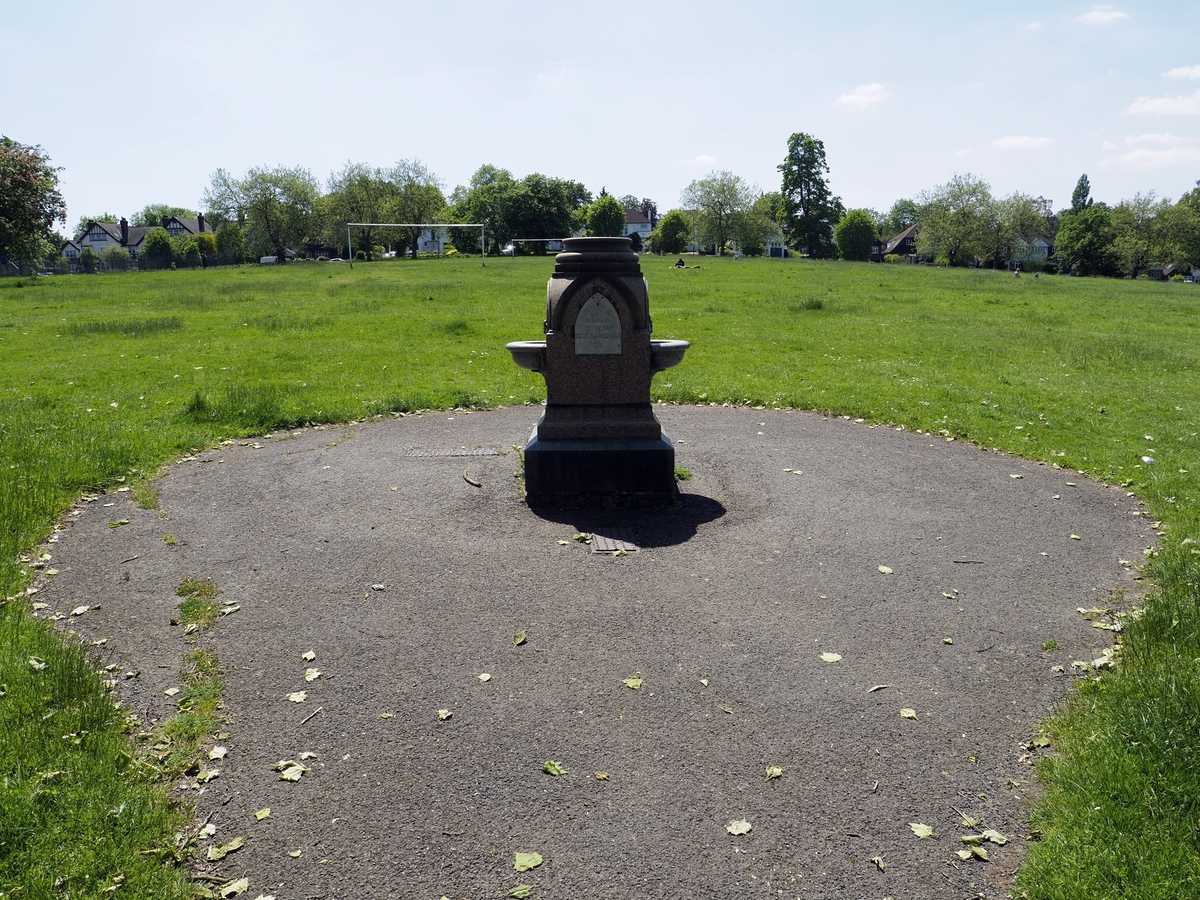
<point>107,377</point>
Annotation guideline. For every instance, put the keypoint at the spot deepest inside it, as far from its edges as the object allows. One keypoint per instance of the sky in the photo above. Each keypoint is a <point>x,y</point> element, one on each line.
<point>142,105</point>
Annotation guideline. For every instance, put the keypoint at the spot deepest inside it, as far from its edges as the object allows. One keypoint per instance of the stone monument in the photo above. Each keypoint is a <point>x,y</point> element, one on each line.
<point>598,442</point>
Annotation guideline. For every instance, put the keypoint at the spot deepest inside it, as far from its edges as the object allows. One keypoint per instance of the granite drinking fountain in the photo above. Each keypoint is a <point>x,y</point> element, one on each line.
<point>598,443</point>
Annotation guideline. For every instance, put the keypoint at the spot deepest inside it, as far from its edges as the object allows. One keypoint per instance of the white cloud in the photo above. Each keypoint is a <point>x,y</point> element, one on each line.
<point>1186,105</point>
<point>1102,15</point>
<point>1032,26</point>
<point>1108,145</point>
<point>1156,151</point>
<point>1191,73</point>
<point>1021,142</point>
<point>962,154</point>
<point>864,95</point>
<point>702,160</point>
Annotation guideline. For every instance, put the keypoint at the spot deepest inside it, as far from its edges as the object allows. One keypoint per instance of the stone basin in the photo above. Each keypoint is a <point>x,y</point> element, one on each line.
<point>532,354</point>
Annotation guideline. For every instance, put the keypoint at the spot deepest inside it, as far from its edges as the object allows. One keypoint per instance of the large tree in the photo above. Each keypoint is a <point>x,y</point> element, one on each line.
<point>902,214</point>
<point>719,201</point>
<point>418,199</point>
<point>1086,241</point>
<point>30,203</point>
<point>606,217</point>
<point>1005,220</point>
<point>538,206</point>
<point>672,234</point>
<point>808,210</point>
<point>358,193</point>
<point>152,214</point>
<point>1081,197</point>
<point>855,234</point>
<point>950,216</point>
<point>278,206</point>
<point>1138,243</point>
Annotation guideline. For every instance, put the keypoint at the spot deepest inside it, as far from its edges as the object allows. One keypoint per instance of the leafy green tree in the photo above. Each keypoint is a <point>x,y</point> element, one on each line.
<point>157,250</point>
<point>1086,241</point>
<point>752,229</point>
<point>190,253</point>
<point>418,198</point>
<point>358,193</point>
<point>606,217</point>
<point>808,210</point>
<point>206,243</point>
<point>278,206</point>
<point>719,201</point>
<point>116,258</point>
<point>1178,231</point>
<point>231,245</point>
<point>30,202</point>
<point>541,206</point>
<point>1005,220</point>
<point>950,216</point>
<point>673,233</point>
<point>486,200</point>
<point>855,234</point>
<point>902,214</point>
<point>88,260</point>
<point>1081,197</point>
<point>153,214</point>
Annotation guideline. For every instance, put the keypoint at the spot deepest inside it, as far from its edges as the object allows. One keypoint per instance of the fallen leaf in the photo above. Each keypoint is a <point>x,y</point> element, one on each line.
<point>298,696</point>
<point>118,523</point>
<point>290,770</point>
<point>485,676</point>
<point>1016,476</point>
<point>878,687</point>
<point>704,681</point>
<point>295,854</point>
<point>553,767</point>
<point>1076,537</point>
<point>519,638</point>
<point>312,674</point>
<point>444,714</point>
<point>385,715</point>
<point>633,682</point>
<point>738,826</point>
<point>991,834</point>
<point>947,640</point>
<point>219,851</point>
<point>831,657</point>
<point>602,776</point>
<point>727,709</point>
<point>907,713</point>
<point>233,888</point>
<point>36,664</point>
<point>879,863</point>
<point>521,891</point>
<point>309,656</point>
<point>378,587</point>
<point>963,854</point>
<point>564,543</point>
<point>583,537</point>
<point>774,772</point>
<point>980,852</point>
<point>308,754</point>
<point>171,692</point>
<point>523,862</point>
<point>262,813</point>
<point>886,570</point>
<point>80,610</point>
<point>207,831</point>
<point>921,830</point>
<point>972,839</point>
<point>217,752</point>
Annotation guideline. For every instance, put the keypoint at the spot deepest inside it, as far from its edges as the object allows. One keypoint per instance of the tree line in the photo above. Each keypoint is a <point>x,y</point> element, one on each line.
<point>278,211</point>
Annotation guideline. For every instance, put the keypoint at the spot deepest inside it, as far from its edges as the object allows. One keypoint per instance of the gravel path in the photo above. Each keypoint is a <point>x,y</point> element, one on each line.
<point>408,583</point>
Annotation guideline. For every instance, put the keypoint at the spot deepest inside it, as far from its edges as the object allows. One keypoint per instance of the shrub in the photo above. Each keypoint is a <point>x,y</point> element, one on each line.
<point>894,258</point>
<point>116,258</point>
<point>231,245</point>
<point>606,217</point>
<point>1178,278</point>
<point>191,254</point>
<point>157,251</point>
<point>88,260</point>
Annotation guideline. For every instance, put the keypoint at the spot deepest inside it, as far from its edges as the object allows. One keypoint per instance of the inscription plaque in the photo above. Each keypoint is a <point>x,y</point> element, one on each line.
<point>598,328</point>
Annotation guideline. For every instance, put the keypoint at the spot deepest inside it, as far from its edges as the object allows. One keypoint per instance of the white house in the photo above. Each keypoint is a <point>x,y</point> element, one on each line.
<point>1036,250</point>
<point>637,223</point>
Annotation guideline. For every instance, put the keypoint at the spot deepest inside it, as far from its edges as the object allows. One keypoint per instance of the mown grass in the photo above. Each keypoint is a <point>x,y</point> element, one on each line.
<point>1090,374</point>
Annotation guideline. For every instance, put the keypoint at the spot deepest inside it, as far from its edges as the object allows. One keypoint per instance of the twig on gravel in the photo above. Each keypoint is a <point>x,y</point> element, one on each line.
<point>978,562</point>
<point>225,802</point>
<point>131,559</point>
<point>469,480</point>
<point>317,710</point>
<point>987,648</point>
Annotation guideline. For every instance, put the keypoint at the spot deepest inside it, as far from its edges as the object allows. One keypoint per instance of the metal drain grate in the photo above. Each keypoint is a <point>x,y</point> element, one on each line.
<point>478,451</point>
<point>609,540</point>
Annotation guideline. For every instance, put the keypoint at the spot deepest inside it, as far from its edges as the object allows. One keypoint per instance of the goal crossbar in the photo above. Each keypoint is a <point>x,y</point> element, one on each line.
<point>430,225</point>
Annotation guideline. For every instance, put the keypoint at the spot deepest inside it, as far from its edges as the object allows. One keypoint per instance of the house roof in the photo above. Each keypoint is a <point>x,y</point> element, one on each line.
<point>192,225</point>
<point>634,217</point>
<point>909,232</point>
<point>67,244</point>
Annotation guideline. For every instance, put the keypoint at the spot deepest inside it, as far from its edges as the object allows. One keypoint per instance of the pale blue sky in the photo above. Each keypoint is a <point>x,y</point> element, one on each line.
<point>141,104</point>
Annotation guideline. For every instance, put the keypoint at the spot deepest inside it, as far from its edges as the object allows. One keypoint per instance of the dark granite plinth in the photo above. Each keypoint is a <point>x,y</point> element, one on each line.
<point>602,472</point>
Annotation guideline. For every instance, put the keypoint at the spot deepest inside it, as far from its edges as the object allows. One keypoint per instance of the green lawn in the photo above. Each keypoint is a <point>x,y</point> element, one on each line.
<point>108,377</point>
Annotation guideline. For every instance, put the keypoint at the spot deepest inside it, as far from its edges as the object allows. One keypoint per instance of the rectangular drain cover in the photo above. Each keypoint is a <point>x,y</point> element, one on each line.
<point>478,451</point>
<point>609,540</point>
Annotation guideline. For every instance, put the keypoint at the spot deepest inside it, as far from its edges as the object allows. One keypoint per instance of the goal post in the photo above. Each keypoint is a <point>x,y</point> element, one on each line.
<point>422,225</point>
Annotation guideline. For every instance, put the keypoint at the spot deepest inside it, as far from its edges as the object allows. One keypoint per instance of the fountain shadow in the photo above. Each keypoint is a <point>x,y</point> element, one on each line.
<point>647,528</point>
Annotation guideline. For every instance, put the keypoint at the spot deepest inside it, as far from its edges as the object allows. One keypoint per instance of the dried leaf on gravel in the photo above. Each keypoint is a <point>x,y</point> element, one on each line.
<point>290,770</point>
<point>204,776</point>
<point>980,852</point>
<point>207,831</point>
<point>879,863</point>
<point>233,888</point>
<point>831,657</point>
<point>886,570</point>
<point>553,767</point>
<point>220,851</point>
<point>298,696</point>
<point>312,674</point>
<point>118,523</point>
<point>217,752</point>
<point>521,891</point>
<point>262,813</point>
<point>738,826</point>
<point>564,543</point>
<point>727,709</point>
<point>295,854</point>
<point>921,830</point>
<point>485,676</point>
<point>996,837</point>
<point>704,681</point>
<point>963,854</point>
<point>602,776</point>
<point>907,713</point>
<point>972,839</point>
<point>308,754</point>
<point>878,687</point>
<point>80,610</point>
<point>519,638</point>
<point>583,537</point>
<point>633,682</point>
<point>523,862</point>
<point>444,714</point>
<point>309,656</point>
<point>774,772</point>
<point>379,587</point>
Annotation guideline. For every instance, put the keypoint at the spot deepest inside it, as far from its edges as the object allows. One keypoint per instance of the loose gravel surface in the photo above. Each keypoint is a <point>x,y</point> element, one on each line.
<point>756,615</point>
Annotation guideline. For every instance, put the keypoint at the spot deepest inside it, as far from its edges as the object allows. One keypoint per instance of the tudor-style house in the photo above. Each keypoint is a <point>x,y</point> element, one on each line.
<point>102,235</point>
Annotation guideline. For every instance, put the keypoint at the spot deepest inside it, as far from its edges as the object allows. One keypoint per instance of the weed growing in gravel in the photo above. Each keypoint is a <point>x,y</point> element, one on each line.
<point>199,608</point>
<point>179,741</point>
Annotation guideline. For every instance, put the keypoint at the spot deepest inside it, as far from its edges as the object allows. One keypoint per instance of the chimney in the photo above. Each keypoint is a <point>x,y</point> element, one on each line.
<point>165,221</point>
<point>200,223</point>
<point>124,231</point>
